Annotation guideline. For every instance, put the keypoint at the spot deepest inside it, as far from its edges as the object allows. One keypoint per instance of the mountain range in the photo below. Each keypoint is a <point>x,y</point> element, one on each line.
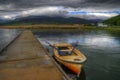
<point>48,20</point>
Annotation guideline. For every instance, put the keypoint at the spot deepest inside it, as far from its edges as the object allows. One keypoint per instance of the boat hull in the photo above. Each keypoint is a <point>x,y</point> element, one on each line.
<point>69,56</point>
<point>75,68</point>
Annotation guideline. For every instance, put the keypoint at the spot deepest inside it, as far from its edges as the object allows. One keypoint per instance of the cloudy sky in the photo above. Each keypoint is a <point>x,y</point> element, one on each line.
<point>88,9</point>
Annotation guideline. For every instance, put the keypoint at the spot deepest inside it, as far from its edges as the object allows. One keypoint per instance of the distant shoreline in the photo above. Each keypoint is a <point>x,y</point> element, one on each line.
<point>42,26</point>
<point>60,27</point>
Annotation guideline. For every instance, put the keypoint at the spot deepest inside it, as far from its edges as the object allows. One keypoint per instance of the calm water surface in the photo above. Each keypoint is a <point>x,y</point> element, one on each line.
<point>6,36</point>
<point>101,48</point>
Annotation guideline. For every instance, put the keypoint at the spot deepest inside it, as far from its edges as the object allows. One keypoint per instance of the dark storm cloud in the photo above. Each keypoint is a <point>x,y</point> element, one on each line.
<point>10,9</point>
<point>38,3</point>
<point>68,3</point>
<point>114,3</point>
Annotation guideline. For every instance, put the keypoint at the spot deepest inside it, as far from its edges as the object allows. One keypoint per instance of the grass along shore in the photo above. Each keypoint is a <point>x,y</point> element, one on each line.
<point>42,26</point>
<point>60,27</point>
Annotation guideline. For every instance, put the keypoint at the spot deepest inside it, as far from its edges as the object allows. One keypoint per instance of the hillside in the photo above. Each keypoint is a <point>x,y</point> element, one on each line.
<point>113,21</point>
<point>48,20</point>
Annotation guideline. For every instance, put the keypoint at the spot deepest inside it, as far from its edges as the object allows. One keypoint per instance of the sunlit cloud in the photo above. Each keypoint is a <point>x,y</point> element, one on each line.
<point>61,11</point>
<point>8,17</point>
<point>46,10</point>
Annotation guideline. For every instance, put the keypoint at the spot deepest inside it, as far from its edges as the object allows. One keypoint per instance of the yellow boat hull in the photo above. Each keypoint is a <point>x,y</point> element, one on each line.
<point>75,68</point>
<point>72,58</point>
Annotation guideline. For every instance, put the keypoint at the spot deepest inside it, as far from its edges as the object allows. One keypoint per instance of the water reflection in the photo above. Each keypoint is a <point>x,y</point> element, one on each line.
<point>6,36</point>
<point>101,41</point>
<point>101,48</point>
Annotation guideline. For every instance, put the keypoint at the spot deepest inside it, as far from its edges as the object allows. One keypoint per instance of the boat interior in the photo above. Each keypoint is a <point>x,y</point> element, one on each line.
<point>67,51</point>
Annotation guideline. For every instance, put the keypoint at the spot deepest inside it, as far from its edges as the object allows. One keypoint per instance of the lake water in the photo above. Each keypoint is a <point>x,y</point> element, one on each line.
<point>6,36</point>
<point>101,48</point>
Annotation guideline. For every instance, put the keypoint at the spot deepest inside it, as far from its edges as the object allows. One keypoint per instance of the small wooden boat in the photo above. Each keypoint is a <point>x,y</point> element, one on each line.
<point>69,56</point>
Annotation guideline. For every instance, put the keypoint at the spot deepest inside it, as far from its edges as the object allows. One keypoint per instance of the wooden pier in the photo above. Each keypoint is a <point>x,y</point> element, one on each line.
<point>26,59</point>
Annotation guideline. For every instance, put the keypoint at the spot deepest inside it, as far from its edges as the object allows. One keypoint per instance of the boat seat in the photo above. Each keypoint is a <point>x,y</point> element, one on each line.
<point>67,52</point>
